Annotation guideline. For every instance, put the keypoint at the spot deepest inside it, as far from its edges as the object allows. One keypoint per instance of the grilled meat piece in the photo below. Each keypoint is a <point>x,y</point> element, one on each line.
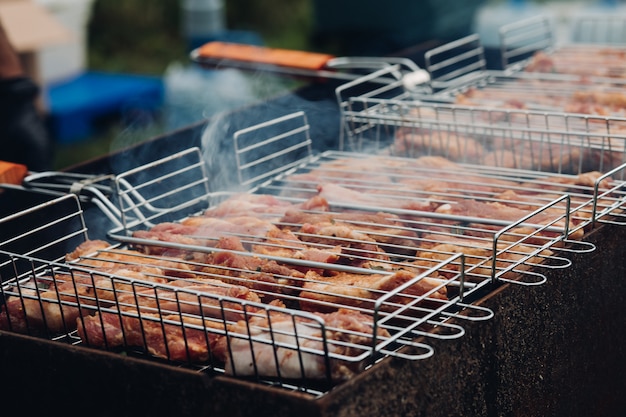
<point>52,304</point>
<point>279,341</point>
<point>553,217</point>
<point>98,254</point>
<point>386,229</point>
<point>327,293</point>
<point>171,233</point>
<point>352,171</point>
<point>575,183</point>
<point>411,142</point>
<point>580,60</point>
<point>214,228</point>
<point>203,232</point>
<point>510,259</point>
<point>248,204</point>
<point>200,298</point>
<point>338,195</point>
<point>254,272</point>
<point>356,247</point>
<point>175,325</point>
<point>174,337</point>
<point>264,206</point>
<point>39,311</point>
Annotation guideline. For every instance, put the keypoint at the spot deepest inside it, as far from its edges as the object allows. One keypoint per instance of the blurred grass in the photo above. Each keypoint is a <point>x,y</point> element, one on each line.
<point>134,36</point>
<point>141,36</point>
<point>145,37</point>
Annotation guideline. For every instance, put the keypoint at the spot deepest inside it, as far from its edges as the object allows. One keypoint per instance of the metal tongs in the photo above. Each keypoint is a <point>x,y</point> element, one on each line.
<point>303,64</point>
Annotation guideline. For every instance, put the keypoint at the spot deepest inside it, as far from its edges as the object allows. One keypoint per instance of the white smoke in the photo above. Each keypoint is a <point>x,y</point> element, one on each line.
<point>193,93</point>
<point>205,107</point>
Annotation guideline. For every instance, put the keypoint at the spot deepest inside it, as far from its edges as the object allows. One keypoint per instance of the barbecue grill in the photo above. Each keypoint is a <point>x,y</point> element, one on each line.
<point>470,356</point>
<point>177,174</point>
<point>141,207</point>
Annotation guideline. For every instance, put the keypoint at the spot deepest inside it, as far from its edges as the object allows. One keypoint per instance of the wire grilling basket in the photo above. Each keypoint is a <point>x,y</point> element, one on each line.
<point>596,48</point>
<point>333,185</point>
<point>557,124</point>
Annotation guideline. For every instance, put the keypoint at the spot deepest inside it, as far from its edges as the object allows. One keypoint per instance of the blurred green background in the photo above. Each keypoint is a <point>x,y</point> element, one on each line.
<point>146,37</point>
<point>140,36</point>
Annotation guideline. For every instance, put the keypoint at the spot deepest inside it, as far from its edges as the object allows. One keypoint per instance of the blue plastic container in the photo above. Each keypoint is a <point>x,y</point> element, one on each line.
<point>75,104</point>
